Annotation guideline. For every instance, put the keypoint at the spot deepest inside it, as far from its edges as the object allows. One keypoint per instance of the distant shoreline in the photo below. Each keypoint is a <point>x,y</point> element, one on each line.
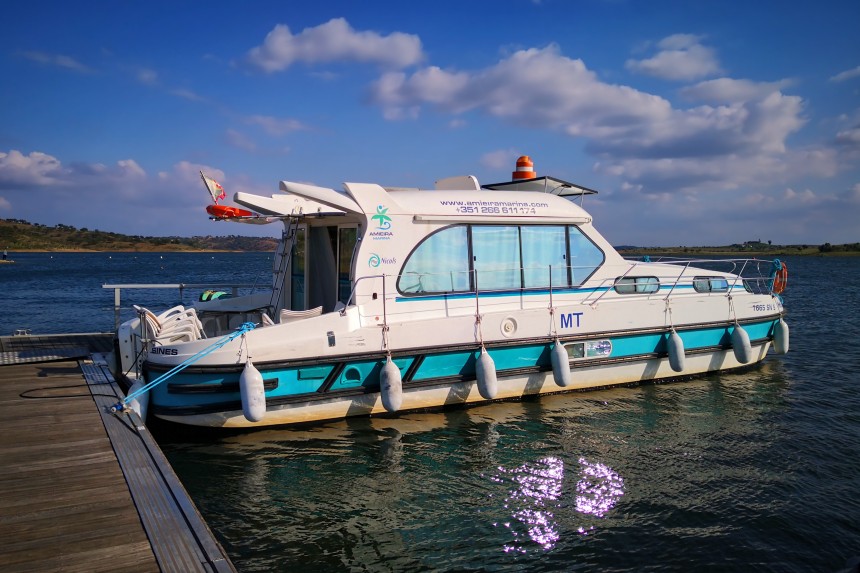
<point>19,236</point>
<point>171,251</point>
<point>716,252</point>
<point>680,252</point>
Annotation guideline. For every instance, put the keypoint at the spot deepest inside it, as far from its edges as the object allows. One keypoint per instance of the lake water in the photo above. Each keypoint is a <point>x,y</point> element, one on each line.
<point>752,471</point>
<point>51,293</point>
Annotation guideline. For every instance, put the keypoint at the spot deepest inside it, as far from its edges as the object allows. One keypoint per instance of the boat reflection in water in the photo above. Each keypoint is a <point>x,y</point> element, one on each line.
<point>385,483</point>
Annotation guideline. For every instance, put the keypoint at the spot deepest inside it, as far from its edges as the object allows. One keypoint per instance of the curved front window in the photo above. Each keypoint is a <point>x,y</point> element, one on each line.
<point>439,264</point>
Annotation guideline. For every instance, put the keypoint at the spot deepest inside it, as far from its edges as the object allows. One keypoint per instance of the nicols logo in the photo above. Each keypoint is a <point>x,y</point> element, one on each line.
<point>375,260</point>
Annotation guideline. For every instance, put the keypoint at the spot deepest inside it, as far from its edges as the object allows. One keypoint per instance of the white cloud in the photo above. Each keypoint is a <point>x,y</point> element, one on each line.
<point>846,75</point>
<point>850,136</point>
<point>680,57</point>
<point>40,188</point>
<point>728,90</point>
<point>186,94</point>
<point>334,41</point>
<point>535,87</point>
<point>240,140</point>
<point>40,170</point>
<point>500,159</point>
<point>150,78</point>
<point>805,196</point>
<point>187,172</point>
<point>58,60</point>
<point>121,197</point>
<point>23,171</point>
<point>147,77</point>
<point>130,168</point>
<point>727,216</point>
<point>274,125</point>
<point>638,136</point>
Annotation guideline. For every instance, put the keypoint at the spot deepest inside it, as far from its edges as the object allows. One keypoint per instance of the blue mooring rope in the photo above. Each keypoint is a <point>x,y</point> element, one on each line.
<point>121,406</point>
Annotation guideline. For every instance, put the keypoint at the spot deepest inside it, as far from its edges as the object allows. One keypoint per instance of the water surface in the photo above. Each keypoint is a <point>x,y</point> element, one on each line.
<point>748,471</point>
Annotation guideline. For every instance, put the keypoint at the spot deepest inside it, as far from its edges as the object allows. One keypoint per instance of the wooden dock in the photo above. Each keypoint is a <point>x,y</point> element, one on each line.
<point>82,489</point>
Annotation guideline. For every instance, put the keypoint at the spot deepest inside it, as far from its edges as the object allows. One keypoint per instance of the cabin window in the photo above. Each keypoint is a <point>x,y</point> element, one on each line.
<point>439,264</point>
<point>544,248</point>
<point>585,256</point>
<point>504,257</point>
<point>637,285</point>
<point>710,284</point>
<point>496,257</point>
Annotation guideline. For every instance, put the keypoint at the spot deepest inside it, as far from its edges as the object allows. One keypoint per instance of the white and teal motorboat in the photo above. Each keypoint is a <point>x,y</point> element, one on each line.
<point>386,300</point>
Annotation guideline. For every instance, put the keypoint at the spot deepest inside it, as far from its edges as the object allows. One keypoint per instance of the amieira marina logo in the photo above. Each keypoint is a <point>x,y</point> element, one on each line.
<point>382,217</point>
<point>382,232</point>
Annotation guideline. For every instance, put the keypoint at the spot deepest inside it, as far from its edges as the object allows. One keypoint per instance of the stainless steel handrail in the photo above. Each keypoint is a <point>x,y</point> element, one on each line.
<point>117,291</point>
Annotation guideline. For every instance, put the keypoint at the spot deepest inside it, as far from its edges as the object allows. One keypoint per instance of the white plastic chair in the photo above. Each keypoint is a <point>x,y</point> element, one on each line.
<point>176,324</point>
<point>293,315</point>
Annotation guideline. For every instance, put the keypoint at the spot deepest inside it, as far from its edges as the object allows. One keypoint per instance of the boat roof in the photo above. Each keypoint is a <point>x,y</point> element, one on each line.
<point>453,199</point>
<point>545,184</point>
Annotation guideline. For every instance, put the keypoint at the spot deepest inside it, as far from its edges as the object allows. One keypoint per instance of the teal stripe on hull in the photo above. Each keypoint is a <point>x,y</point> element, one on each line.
<point>363,374</point>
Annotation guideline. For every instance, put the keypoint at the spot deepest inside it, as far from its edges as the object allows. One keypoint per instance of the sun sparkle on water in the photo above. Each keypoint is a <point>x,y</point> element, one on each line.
<point>537,494</point>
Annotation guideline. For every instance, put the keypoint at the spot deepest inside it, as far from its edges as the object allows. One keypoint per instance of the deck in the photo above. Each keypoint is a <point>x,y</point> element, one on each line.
<point>80,488</point>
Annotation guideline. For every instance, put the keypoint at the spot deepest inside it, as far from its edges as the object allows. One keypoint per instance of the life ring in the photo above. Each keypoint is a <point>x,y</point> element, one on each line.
<point>227,212</point>
<point>780,279</point>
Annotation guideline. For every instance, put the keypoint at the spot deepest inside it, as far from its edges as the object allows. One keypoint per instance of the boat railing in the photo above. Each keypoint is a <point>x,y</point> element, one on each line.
<point>180,287</point>
<point>468,283</point>
<point>754,275</point>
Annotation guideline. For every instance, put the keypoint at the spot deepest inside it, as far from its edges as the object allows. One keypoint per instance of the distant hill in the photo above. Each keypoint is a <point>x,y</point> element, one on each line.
<point>750,248</point>
<point>20,235</point>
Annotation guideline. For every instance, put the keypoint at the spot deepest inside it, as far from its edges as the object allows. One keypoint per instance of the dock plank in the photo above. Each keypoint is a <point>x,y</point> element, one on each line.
<point>54,456</point>
<point>83,490</point>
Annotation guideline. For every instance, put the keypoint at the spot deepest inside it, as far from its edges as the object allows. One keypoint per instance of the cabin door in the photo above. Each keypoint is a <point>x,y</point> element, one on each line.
<point>298,271</point>
<point>346,239</point>
<point>329,265</point>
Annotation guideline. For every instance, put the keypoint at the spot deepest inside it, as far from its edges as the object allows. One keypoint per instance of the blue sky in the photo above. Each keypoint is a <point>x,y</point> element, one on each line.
<point>707,122</point>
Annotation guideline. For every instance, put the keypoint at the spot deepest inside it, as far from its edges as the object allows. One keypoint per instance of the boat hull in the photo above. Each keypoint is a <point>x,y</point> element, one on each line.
<point>441,393</point>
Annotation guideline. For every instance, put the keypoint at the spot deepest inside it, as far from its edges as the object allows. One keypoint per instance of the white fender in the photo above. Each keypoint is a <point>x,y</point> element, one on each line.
<point>139,404</point>
<point>485,371</point>
<point>560,365</point>
<point>391,386</point>
<point>780,337</point>
<point>741,345</point>
<point>253,393</point>
<point>676,351</point>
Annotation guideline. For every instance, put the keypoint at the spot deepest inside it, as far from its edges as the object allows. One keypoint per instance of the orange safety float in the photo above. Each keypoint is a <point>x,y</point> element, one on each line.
<point>780,279</point>
<point>227,212</point>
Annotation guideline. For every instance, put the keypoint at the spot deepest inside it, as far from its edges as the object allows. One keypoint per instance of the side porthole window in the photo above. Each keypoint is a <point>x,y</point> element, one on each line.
<point>710,284</point>
<point>637,285</point>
